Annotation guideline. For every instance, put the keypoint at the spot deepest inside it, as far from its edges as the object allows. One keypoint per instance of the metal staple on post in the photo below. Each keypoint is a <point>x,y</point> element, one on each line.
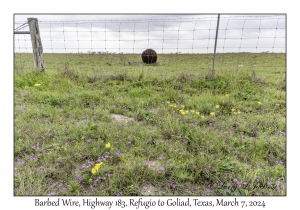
<point>216,39</point>
<point>37,47</point>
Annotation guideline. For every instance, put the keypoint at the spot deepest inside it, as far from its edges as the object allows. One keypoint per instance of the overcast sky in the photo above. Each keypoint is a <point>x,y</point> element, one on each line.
<point>163,33</point>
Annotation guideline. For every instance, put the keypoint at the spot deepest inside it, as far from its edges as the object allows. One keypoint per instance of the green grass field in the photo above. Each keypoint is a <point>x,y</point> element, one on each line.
<point>190,134</point>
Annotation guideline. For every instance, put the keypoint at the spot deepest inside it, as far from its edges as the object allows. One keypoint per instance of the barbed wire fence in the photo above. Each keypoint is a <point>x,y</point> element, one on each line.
<point>193,42</point>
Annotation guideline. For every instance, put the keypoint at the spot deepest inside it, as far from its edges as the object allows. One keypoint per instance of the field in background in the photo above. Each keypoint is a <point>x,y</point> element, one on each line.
<point>190,63</point>
<point>190,134</point>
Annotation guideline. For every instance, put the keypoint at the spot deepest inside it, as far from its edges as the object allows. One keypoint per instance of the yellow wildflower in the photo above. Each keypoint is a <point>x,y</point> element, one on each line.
<point>217,106</point>
<point>239,112</point>
<point>37,84</point>
<point>192,111</point>
<point>259,102</point>
<point>182,111</point>
<point>212,113</point>
<point>94,170</point>
<point>182,106</point>
<point>187,111</point>
<point>107,145</point>
<point>234,113</point>
<point>98,164</point>
<point>96,167</point>
<point>168,102</point>
<point>232,110</point>
<point>202,116</point>
<point>197,112</point>
<point>227,95</point>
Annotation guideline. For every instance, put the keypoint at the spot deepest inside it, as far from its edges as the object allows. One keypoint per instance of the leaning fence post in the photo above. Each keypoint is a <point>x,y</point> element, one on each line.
<point>36,44</point>
<point>216,39</point>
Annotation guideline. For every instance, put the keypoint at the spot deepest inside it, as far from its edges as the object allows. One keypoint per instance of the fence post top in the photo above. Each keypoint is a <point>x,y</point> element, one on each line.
<point>31,18</point>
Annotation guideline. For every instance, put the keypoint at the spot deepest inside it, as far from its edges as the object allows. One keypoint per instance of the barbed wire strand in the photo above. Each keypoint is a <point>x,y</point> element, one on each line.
<point>237,17</point>
<point>21,26</point>
<point>174,39</point>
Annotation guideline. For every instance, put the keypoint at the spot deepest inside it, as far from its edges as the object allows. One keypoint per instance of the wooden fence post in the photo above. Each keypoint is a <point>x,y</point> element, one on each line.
<point>36,44</point>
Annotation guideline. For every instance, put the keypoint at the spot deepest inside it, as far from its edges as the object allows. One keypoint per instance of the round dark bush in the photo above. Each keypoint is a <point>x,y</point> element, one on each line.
<point>149,56</point>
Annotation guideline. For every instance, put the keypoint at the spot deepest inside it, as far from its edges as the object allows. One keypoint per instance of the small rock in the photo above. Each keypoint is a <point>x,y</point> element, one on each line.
<point>121,118</point>
<point>154,165</point>
<point>148,190</point>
